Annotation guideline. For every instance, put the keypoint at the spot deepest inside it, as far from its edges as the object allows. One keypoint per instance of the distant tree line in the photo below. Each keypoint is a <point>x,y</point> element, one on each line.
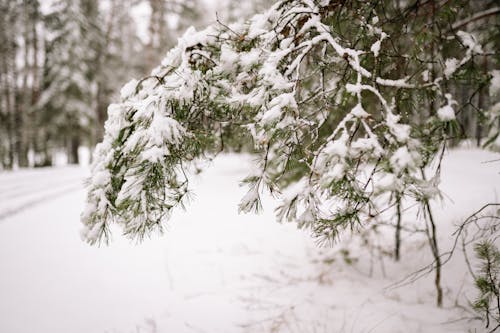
<point>60,67</point>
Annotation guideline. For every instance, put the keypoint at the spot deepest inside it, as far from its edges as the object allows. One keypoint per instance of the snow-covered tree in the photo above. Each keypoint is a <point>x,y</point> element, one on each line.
<point>19,79</point>
<point>66,100</point>
<point>117,57</point>
<point>8,80</point>
<point>350,106</point>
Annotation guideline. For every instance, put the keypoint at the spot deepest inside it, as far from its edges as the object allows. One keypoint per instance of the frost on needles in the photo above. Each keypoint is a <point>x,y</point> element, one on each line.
<point>338,131</point>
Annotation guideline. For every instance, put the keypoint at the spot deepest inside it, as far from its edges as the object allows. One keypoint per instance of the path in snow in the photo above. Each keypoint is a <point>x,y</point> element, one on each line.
<point>24,189</point>
<point>213,270</point>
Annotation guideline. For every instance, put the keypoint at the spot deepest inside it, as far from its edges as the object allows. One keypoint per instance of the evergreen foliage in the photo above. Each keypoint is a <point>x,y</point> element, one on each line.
<point>488,283</point>
<point>66,100</point>
<point>347,104</point>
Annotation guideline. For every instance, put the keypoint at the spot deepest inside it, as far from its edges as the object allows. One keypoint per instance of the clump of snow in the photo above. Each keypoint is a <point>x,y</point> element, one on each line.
<point>470,41</point>
<point>335,173</point>
<point>402,159</point>
<point>154,154</point>
<point>272,77</point>
<point>249,59</point>
<point>258,25</point>
<point>425,75</point>
<point>400,131</point>
<point>446,112</point>
<point>450,66</point>
<point>359,112</point>
<point>389,182</point>
<point>116,120</point>
<point>192,37</point>
<point>363,145</point>
<point>376,47</point>
<point>337,148</point>
<point>276,107</point>
<point>353,88</point>
<point>128,89</point>
<point>228,58</point>
<point>166,129</point>
<point>101,178</point>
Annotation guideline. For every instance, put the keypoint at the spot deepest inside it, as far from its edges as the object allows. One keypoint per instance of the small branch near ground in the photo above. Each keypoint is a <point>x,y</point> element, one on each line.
<point>446,256</point>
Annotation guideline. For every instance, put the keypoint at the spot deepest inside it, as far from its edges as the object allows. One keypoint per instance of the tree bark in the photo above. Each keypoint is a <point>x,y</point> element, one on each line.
<point>73,149</point>
<point>397,249</point>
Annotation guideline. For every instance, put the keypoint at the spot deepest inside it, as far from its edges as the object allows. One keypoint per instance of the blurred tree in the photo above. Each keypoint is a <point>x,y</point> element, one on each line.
<point>66,104</point>
<point>8,76</point>
<point>60,69</point>
<point>117,58</point>
<point>19,72</point>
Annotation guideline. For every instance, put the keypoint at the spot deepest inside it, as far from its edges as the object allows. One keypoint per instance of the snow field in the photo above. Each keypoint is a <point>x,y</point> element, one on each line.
<point>217,271</point>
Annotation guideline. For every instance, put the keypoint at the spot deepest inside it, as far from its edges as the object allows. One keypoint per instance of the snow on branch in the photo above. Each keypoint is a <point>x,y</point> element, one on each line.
<point>322,120</point>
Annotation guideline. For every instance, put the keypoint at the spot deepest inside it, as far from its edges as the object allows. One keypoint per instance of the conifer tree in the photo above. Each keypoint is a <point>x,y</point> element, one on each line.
<point>8,80</point>
<point>19,79</point>
<point>350,106</point>
<point>66,100</point>
<point>118,53</point>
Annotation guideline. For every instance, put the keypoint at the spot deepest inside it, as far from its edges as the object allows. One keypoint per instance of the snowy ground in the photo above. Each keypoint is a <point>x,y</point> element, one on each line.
<point>217,271</point>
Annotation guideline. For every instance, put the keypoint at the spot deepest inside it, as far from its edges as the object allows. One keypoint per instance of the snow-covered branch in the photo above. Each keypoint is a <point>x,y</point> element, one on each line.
<point>322,117</point>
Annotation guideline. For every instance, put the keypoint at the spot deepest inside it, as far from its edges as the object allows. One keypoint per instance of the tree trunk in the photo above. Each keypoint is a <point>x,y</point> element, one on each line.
<point>437,257</point>
<point>398,229</point>
<point>35,88</point>
<point>22,102</point>
<point>8,106</point>
<point>73,149</point>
